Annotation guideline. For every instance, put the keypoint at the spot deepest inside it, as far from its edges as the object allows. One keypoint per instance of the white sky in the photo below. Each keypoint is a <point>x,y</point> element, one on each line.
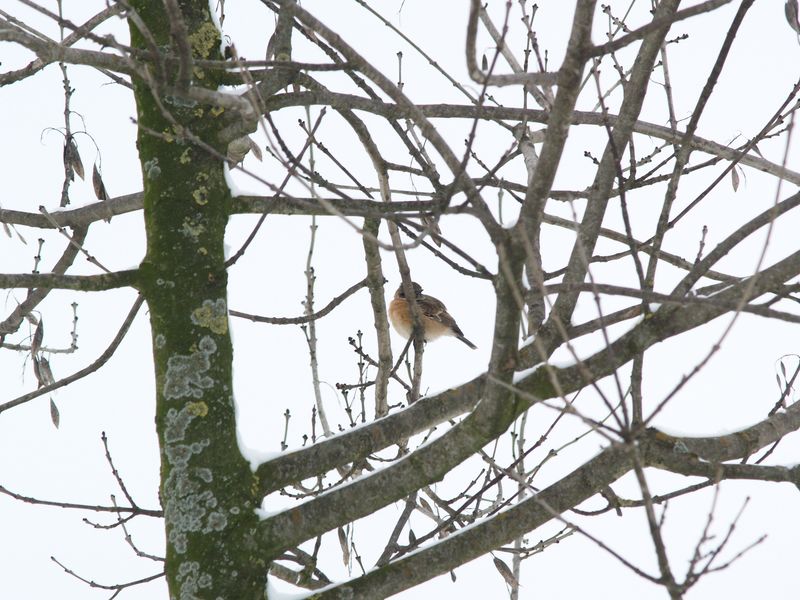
<point>736,389</point>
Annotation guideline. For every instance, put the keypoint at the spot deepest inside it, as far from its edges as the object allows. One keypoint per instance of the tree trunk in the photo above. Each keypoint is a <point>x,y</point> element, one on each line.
<point>207,489</point>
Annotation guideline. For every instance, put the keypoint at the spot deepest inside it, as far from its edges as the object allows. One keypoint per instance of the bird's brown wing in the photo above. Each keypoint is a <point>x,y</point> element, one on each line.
<point>435,309</point>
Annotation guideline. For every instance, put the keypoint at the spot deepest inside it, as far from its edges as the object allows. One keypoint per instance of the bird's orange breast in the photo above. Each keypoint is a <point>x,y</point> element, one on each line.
<point>400,316</point>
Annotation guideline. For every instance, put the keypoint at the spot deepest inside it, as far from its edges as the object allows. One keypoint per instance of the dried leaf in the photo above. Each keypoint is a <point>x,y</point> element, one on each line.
<point>453,576</point>
<point>344,545</point>
<point>792,12</point>
<point>38,336</point>
<point>412,539</point>
<point>484,63</point>
<point>19,235</point>
<point>36,372</point>
<point>99,187</point>
<point>778,379</point>
<point>506,572</point>
<point>425,505</point>
<point>54,414</point>
<point>237,150</point>
<point>256,150</point>
<point>8,228</point>
<point>45,372</point>
<point>755,147</point>
<point>734,179</point>
<point>67,159</point>
<point>73,158</point>
<point>783,370</point>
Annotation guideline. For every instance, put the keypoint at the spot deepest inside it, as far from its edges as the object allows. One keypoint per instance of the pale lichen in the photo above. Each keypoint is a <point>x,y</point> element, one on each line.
<point>204,474</point>
<point>200,195</point>
<point>177,422</point>
<point>197,409</point>
<point>213,315</point>
<point>204,40</point>
<point>192,580</point>
<point>186,374</point>
<point>188,508</point>
<point>192,229</point>
<point>217,521</point>
<point>151,168</point>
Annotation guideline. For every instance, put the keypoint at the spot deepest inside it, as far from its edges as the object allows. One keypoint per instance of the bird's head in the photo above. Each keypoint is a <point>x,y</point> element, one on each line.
<point>400,293</point>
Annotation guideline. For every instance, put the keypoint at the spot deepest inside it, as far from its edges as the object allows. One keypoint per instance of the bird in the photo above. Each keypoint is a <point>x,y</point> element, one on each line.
<point>436,321</point>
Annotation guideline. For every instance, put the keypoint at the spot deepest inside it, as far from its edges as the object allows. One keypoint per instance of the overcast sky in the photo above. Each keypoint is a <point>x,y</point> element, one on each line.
<point>734,390</point>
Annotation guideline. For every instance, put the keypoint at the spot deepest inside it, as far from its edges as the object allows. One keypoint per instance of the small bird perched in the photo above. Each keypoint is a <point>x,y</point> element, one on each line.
<point>436,321</point>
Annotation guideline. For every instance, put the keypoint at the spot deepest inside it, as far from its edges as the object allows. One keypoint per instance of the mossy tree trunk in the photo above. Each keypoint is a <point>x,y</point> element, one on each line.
<point>207,489</point>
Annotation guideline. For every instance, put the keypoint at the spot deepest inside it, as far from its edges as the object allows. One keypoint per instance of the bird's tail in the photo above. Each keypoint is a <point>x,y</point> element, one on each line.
<point>467,342</point>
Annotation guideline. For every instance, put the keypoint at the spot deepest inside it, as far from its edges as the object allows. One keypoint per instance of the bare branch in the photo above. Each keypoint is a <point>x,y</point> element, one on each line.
<point>305,318</point>
<point>641,32</point>
<point>84,283</point>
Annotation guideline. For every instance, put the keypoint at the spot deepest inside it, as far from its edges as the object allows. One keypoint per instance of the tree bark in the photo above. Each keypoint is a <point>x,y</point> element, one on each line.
<point>206,484</point>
